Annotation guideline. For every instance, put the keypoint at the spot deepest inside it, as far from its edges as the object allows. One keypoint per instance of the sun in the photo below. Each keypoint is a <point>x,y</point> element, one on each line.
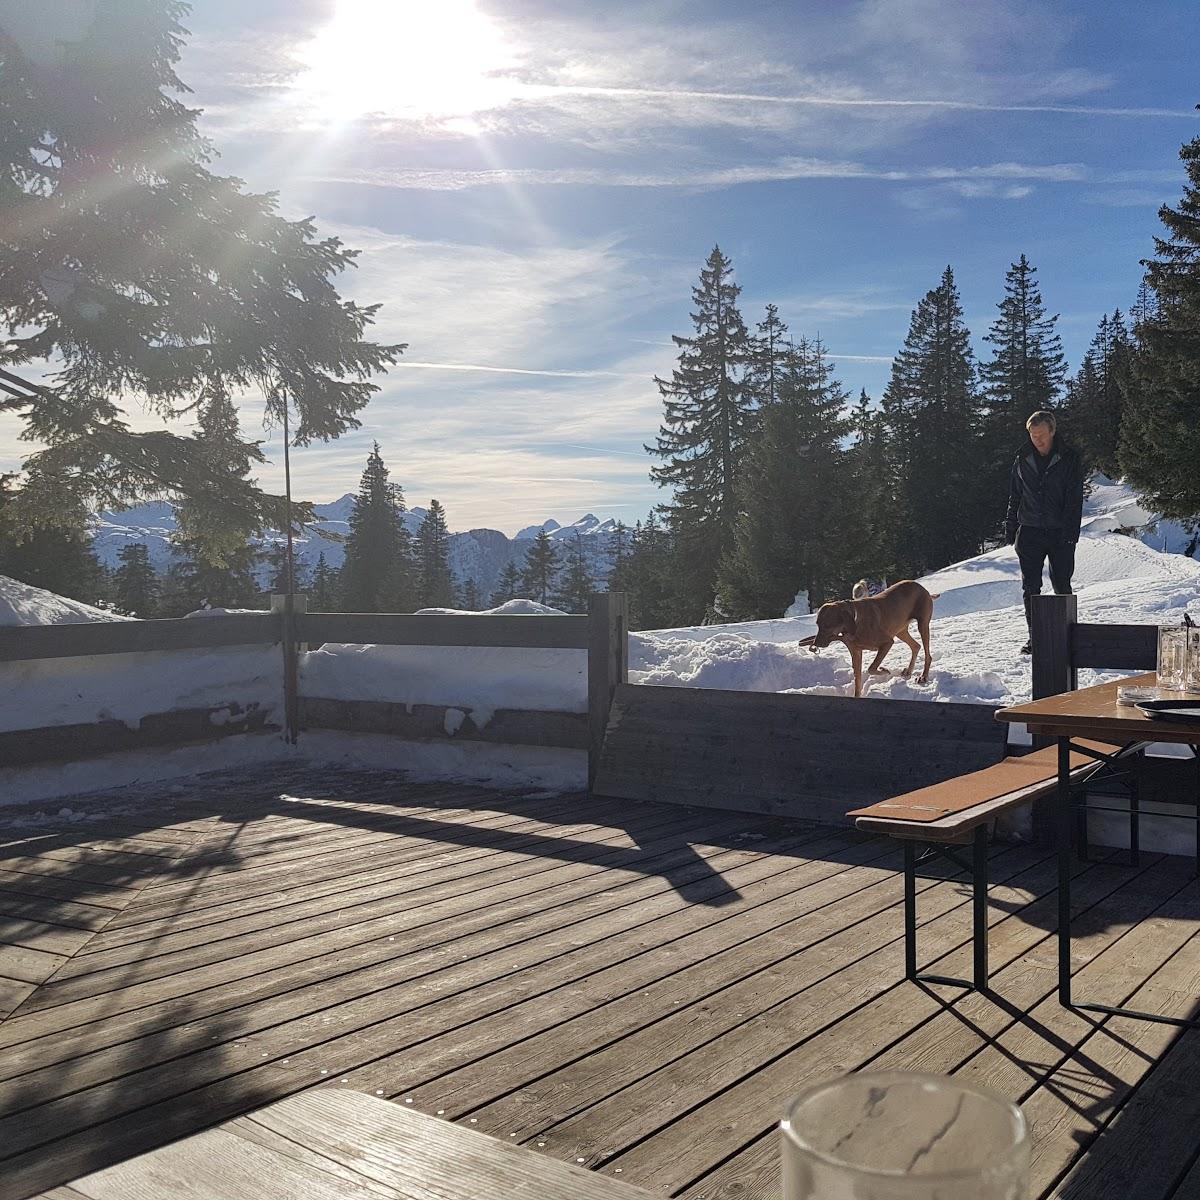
<point>419,59</point>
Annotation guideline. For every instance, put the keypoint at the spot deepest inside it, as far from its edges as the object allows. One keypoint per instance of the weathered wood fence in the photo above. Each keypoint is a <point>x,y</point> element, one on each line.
<point>603,634</point>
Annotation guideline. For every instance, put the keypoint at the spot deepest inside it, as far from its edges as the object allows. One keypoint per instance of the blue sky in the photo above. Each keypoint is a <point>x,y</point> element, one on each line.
<point>535,186</point>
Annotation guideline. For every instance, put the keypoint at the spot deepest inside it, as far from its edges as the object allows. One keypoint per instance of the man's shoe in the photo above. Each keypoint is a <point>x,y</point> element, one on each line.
<point>1027,648</point>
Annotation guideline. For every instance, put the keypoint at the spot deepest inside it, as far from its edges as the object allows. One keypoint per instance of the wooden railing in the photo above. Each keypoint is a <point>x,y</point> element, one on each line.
<point>1062,646</point>
<point>603,634</point>
<point>25,642</point>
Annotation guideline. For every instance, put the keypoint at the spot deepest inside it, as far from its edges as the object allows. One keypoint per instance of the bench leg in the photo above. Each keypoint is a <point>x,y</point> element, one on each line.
<point>979,921</point>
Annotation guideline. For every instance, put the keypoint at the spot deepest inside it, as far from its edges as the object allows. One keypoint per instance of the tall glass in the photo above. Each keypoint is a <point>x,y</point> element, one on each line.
<point>1172,656</point>
<point>903,1136</point>
<point>1191,669</point>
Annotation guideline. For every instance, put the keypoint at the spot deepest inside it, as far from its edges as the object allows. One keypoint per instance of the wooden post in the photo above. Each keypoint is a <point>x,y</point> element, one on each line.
<point>289,605</point>
<point>1053,673</point>
<point>608,665</point>
<point>1050,639</point>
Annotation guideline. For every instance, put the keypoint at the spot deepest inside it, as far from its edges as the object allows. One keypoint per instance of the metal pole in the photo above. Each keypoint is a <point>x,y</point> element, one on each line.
<point>1063,799</point>
<point>979,903</point>
<point>910,910</point>
<point>291,680</point>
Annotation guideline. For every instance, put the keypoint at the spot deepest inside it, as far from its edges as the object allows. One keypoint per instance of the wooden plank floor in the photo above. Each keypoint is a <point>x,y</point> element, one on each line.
<point>636,988</point>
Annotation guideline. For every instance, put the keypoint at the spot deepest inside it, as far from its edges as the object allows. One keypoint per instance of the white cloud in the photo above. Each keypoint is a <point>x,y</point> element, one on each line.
<point>792,168</point>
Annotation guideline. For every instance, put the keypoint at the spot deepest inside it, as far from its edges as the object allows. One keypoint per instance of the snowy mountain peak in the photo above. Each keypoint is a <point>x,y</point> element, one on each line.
<point>531,531</point>
<point>336,510</point>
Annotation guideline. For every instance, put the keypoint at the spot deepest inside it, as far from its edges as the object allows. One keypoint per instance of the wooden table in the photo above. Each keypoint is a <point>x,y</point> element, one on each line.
<point>333,1144</point>
<point>1094,713</point>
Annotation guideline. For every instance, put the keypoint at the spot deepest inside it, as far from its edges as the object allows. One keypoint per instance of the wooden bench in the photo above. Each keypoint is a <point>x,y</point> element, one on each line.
<point>959,812</point>
<point>338,1144</point>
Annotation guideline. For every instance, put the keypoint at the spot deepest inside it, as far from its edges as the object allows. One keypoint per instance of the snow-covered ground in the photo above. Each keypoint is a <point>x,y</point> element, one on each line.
<point>21,604</point>
<point>978,623</point>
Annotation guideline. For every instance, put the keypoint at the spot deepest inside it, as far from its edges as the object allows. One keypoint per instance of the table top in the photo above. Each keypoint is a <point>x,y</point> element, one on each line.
<point>338,1144</point>
<point>1094,712</point>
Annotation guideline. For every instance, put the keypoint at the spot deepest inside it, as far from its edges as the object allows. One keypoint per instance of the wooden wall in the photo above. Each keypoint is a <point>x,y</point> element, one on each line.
<point>793,755</point>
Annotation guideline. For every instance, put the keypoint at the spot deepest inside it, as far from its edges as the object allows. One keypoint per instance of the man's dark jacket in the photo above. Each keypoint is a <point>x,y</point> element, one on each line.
<point>1046,497</point>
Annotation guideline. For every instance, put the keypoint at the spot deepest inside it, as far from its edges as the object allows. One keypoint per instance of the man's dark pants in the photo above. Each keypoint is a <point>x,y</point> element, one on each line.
<point>1034,546</point>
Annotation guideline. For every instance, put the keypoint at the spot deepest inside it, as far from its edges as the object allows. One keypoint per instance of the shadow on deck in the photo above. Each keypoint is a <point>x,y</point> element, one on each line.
<point>635,987</point>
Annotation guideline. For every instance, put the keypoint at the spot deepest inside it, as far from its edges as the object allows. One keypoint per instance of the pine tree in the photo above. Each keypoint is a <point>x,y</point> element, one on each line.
<point>135,587</point>
<point>435,584</point>
<point>323,594</point>
<point>1160,435</point>
<point>1097,394</point>
<point>1145,307</point>
<point>136,271</point>
<point>651,585</point>
<point>508,585</point>
<point>708,415</point>
<point>943,507</point>
<point>767,360</point>
<point>540,569</point>
<point>377,573</point>
<point>54,553</point>
<point>469,598</point>
<point>575,582</point>
<point>798,508</point>
<point>618,550</point>
<point>1027,369</point>
<point>192,582</point>
<point>214,561</point>
<point>868,465</point>
<point>278,576</point>
<point>1026,374</point>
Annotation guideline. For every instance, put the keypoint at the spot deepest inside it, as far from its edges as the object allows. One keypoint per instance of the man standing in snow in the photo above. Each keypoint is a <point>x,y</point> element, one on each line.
<point>1045,508</point>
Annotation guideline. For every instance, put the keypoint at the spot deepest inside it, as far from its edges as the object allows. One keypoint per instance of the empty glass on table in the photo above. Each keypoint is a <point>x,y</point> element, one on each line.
<point>1172,656</point>
<point>903,1136</point>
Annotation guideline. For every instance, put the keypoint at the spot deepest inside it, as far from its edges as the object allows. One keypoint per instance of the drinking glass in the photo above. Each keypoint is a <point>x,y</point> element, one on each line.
<point>1191,666</point>
<point>1172,656</point>
<point>903,1136</point>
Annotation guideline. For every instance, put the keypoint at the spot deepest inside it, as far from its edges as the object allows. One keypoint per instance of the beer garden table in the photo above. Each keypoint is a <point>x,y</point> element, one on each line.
<point>1094,714</point>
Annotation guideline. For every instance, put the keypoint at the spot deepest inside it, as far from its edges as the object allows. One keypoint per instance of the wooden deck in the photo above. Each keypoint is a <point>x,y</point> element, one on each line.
<point>633,987</point>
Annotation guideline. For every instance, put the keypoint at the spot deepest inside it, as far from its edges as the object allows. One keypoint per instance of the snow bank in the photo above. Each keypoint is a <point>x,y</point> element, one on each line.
<point>480,679</point>
<point>978,626</point>
<point>22,604</point>
<point>127,687</point>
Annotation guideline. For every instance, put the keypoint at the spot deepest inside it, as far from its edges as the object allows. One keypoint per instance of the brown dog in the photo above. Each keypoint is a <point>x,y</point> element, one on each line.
<point>875,623</point>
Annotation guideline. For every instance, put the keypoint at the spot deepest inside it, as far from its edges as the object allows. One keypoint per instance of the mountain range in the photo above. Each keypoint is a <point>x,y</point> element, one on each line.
<point>478,554</point>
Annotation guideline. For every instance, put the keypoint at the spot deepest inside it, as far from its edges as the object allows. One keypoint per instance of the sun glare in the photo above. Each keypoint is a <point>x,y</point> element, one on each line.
<point>406,58</point>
